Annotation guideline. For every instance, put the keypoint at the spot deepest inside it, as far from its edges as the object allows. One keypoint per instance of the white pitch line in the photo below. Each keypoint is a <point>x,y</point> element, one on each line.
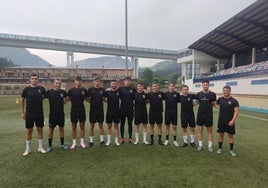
<point>254,117</point>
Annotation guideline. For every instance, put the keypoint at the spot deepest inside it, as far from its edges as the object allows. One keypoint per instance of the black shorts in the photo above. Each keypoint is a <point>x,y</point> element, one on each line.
<point>78,115</point>
<point>206,120</point>
<point>171,118</point>
<point>224,127</point>
<point>31,119</point>
<point>140,117</point>
<point>155,117</point>
<point>96,116</point>
<point>112,117</point>
<point>56,119</point>
<point>187,120</point>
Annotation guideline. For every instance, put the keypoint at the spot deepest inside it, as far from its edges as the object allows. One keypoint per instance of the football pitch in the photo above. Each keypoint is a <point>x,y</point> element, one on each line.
<point>131,165</point>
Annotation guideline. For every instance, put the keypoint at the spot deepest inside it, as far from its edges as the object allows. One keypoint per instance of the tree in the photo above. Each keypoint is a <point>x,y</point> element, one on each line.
<point>147,76</point>
<point>6,63</point>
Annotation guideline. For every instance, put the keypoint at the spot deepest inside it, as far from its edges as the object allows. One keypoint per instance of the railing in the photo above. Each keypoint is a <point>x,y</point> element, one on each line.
<point>232,76</point>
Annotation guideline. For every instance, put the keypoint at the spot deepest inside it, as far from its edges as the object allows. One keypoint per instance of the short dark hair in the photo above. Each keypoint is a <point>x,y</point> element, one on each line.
<point>155,83</point>
<point>227,87</point>
<point>185,86</point>
<point>127,78</point>
<point>205,81</point>
<point>79,78</point>
<point>96,78</point>
<point>140,83</point>
<point>173,83</point>
<point>33,74</point>
<point>113,81</point>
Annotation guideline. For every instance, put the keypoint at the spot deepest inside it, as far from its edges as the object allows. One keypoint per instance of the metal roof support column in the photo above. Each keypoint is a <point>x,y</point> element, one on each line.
<point>193,65</point>
<point>68,60</point>
<point>253,55</point>
<point>218,65</point>
<point>233,60</point>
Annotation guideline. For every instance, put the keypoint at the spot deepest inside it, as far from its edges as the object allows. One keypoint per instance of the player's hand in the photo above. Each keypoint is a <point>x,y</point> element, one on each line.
<point>22,115</point>
<point>231,123</point>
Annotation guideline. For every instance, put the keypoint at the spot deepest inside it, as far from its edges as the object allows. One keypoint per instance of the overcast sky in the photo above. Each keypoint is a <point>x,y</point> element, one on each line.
<point>162,24</point>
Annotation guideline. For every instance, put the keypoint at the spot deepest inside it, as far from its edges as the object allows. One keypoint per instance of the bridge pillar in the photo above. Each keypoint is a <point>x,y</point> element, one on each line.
<point>70,59</point>
<point>135,63</point>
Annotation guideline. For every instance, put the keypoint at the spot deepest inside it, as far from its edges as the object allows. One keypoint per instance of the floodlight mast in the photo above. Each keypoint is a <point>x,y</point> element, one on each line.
<point>126,40</point>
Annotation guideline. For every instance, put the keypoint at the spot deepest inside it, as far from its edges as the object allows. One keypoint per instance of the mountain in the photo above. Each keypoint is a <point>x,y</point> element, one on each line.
<point>164,68</point>
<point>22,57</point>
<point>106,62</point>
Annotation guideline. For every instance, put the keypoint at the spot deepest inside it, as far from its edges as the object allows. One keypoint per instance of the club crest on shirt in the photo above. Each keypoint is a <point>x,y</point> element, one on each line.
<point>131,91</point>
<point>117,93</point>
<point>39,90</point>
<point>229,102</point>
<point>175,95</point>
<point>101,92</point>
<point>61,95</point>
<point>159,96</point>
<point>83,93</point>
<point>189,99</point>
<point>143,96</point>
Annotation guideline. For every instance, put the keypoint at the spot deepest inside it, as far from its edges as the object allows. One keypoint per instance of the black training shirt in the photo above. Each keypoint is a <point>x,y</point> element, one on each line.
<point>96,98</point>
<point>206,102</point>
<point>56,100</point>
<point>127,97</point>
<point>34,99</point>
<point>140,101</point>
<point>172,99</point>
<point>156,101</point>
<point>78,96</point>
<point>227,109</point>
<point>187,103</point>
<point>112,100</point>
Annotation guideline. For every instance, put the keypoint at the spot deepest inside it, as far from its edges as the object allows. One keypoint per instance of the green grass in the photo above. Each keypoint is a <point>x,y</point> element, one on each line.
<point>131,165</point>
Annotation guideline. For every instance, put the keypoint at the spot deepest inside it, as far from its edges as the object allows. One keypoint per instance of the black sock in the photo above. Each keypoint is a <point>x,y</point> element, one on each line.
<point>220,145</point>
<point>152,137</point>
<point>175,137</point>
<point>50,142</point>
<point>159,137</point>
<point>231,146</point>
<point>62,140</point>
<point>167,137</point>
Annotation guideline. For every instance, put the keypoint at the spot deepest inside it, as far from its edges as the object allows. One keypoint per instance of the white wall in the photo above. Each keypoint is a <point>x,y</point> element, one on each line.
<point>243,86</point>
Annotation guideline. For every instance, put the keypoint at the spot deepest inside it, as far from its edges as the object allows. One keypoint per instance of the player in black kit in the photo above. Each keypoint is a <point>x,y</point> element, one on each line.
<point>229,110</point>
<point>156,98</point>
<point>171,112</point>
<point>96,114</point>
<point>187,116</point>
<point>57,99</point>
<point>112,114</point>
<point>77,95</point>
<point>140,113</point>
<point>206,100</point>
<point>33,95</point>
<point>126,108</point>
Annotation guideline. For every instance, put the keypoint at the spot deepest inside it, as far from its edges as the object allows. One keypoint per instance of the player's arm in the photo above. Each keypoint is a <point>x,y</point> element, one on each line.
<point>236,113</point>
<point>216,105</point>
<point>22,107</point>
